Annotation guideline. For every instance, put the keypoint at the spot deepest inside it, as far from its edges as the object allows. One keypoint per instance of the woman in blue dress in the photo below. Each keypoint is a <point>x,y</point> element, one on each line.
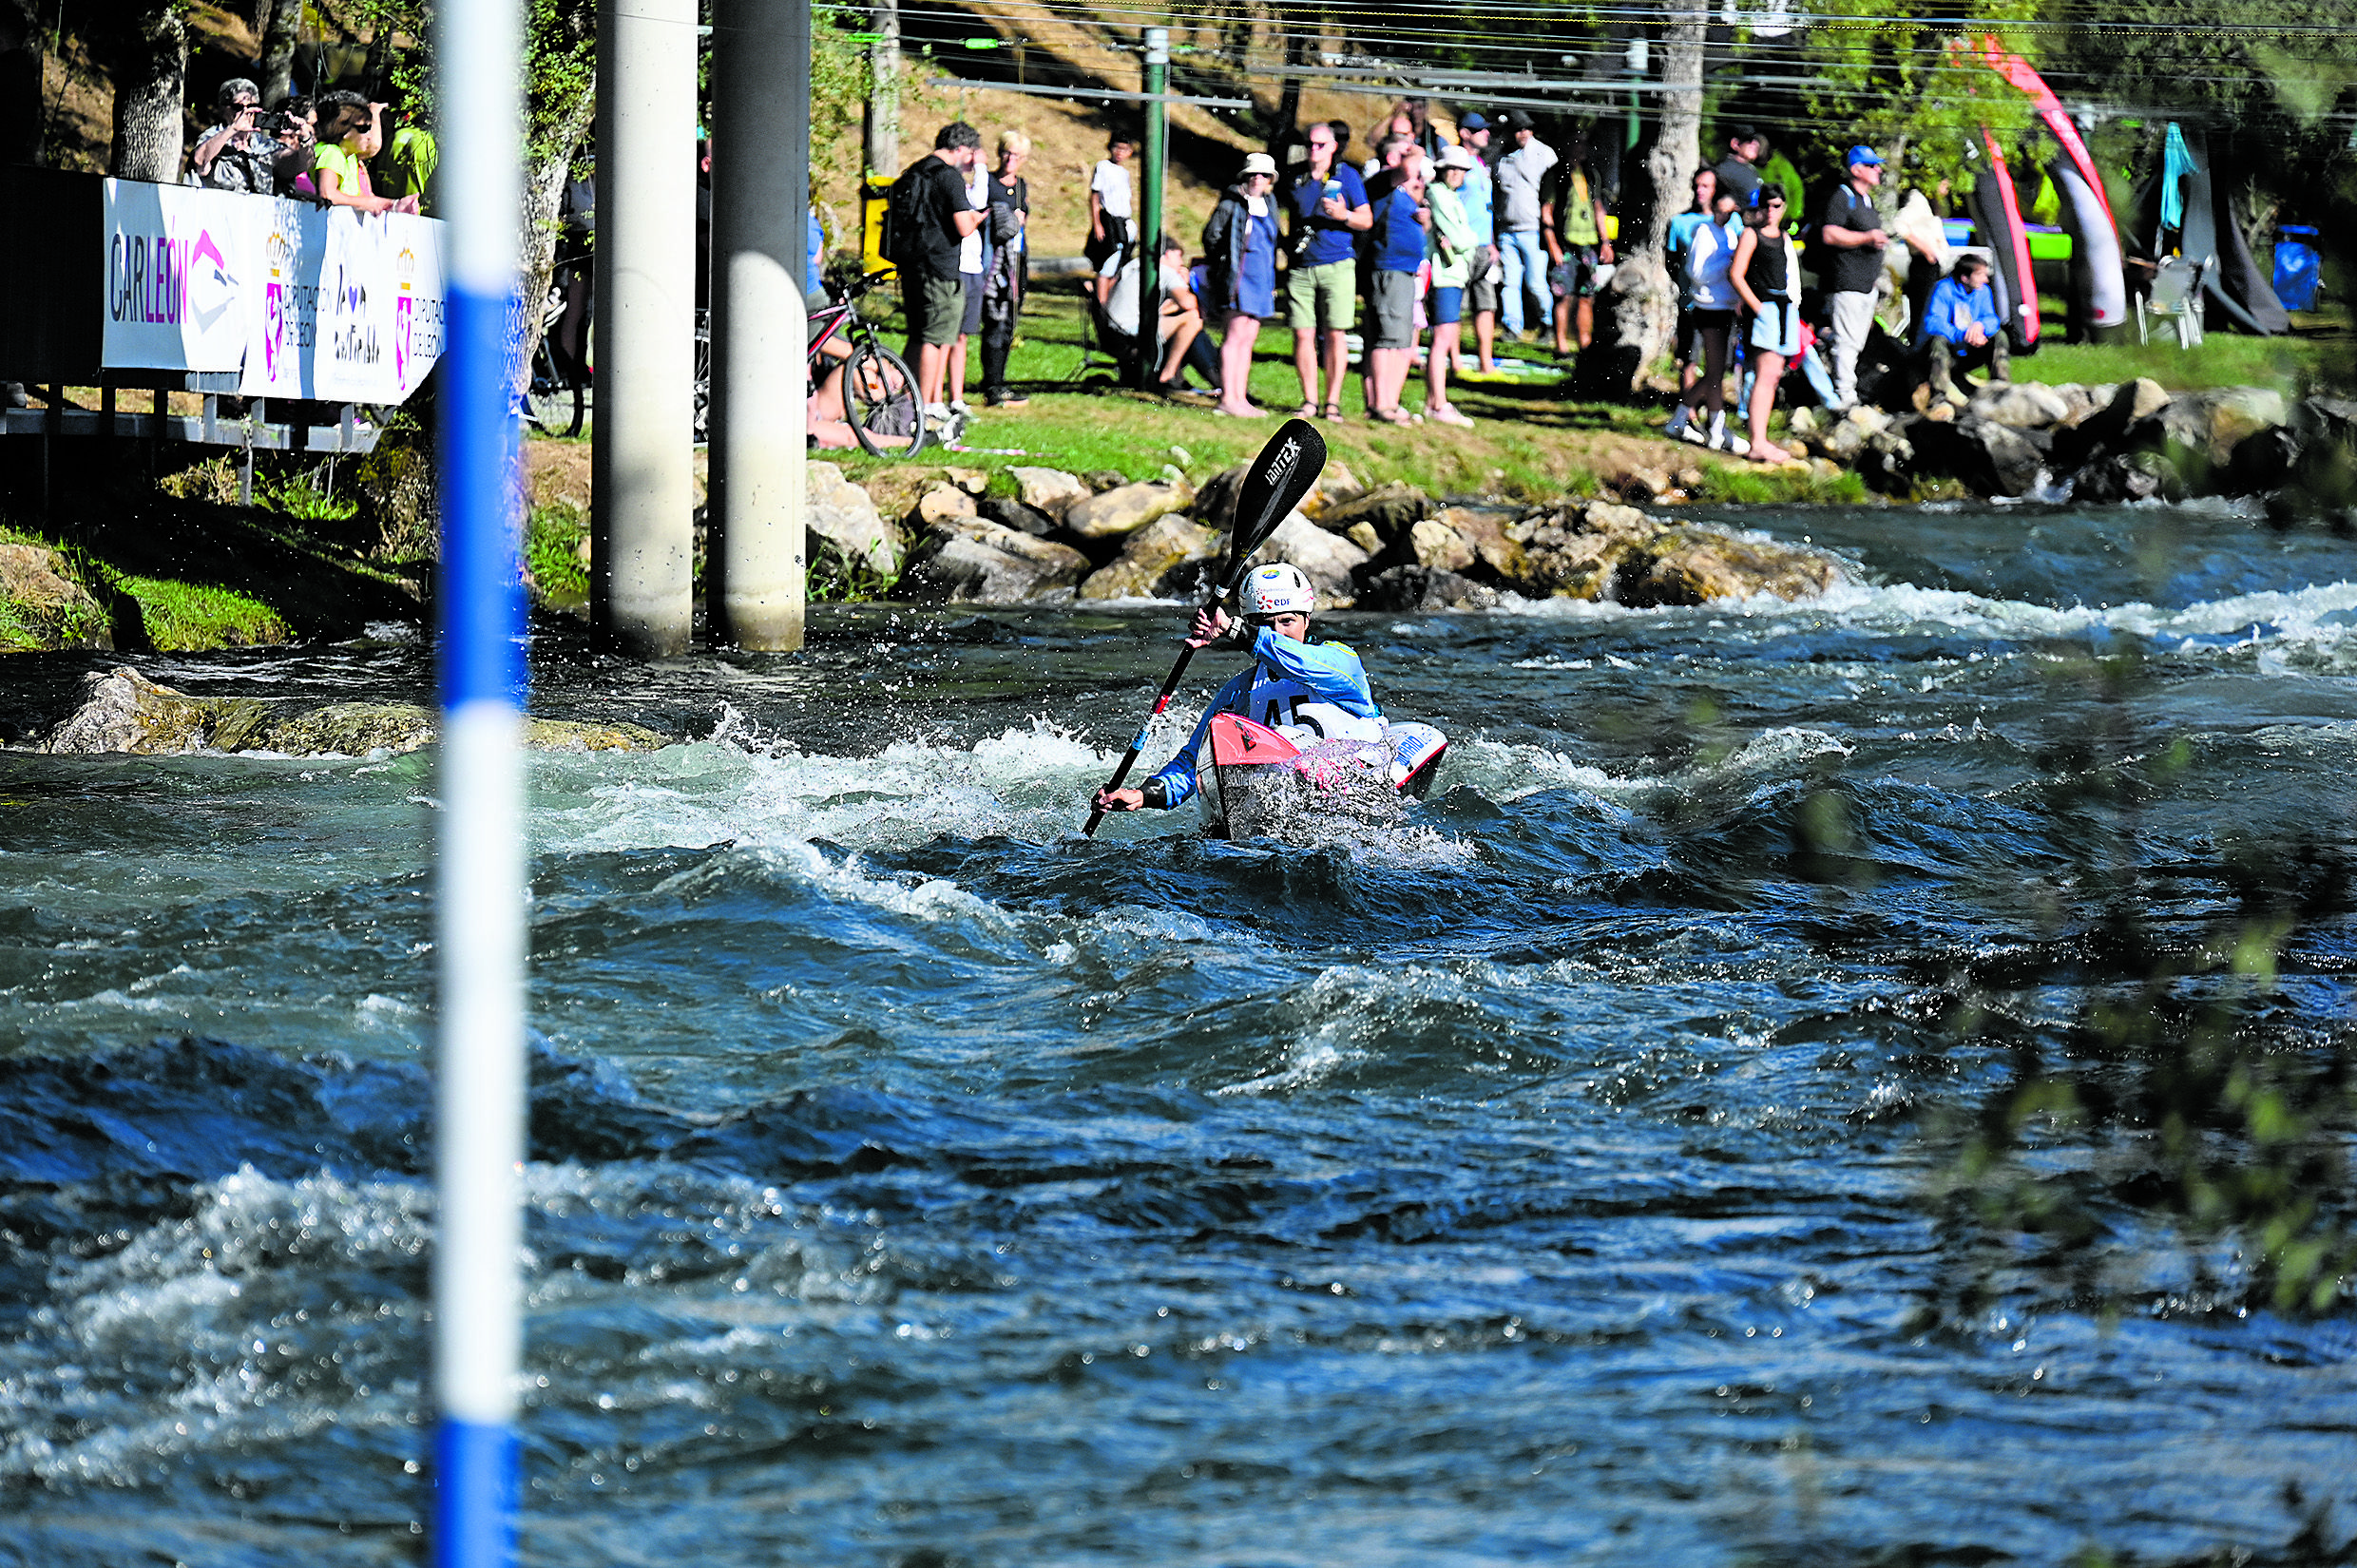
<point>1240,243</point>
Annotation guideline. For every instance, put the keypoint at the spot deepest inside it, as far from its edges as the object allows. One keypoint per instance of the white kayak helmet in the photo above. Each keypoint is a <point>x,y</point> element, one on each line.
<point>1278,588</point>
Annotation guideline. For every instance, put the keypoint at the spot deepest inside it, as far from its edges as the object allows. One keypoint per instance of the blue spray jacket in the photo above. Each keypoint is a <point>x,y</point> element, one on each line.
<point>1284,673</point>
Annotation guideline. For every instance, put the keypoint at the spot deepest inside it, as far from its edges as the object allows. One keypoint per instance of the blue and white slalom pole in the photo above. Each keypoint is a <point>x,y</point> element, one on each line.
<point>480,894</point>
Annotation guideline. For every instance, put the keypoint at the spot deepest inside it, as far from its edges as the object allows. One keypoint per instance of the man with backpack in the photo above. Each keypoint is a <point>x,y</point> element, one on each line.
<point>931,217</point>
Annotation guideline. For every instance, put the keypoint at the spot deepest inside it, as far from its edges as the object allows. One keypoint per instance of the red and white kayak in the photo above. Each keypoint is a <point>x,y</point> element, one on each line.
<point>1254,782</point>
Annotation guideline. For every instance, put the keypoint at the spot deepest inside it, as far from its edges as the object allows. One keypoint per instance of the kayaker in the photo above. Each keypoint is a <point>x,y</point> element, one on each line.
<point>1309,691</point>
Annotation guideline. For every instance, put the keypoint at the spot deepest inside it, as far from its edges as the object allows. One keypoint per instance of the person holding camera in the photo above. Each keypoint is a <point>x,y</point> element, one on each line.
<point>240,153</point>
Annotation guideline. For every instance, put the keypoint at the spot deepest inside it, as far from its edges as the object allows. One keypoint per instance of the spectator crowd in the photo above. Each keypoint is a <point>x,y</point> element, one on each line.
<point>1430,232</point>
<point>332,149</point>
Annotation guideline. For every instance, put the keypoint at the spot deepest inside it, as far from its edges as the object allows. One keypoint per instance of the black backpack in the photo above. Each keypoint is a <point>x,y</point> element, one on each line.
<point>902,222</point>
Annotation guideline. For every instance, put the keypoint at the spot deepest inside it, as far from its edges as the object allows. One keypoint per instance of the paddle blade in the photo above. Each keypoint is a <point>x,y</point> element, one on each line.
<point>1274,486</point>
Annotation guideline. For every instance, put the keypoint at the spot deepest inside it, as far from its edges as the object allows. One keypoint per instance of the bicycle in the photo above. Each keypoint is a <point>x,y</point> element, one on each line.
<point>880,398</point>
<point>557,397</point>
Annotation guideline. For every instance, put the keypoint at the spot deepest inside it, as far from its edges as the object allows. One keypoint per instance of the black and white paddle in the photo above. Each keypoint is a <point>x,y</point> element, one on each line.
<point>1274,486</point>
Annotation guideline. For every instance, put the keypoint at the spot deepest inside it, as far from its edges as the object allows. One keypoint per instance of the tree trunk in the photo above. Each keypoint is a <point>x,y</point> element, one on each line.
<point>543,197</point>
<point>285,19</point>
<point>151,63</point>
<point>1644,296</point>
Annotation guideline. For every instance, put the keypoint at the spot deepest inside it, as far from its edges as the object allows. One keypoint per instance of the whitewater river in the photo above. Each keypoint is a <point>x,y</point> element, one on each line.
<point>914,1183</point>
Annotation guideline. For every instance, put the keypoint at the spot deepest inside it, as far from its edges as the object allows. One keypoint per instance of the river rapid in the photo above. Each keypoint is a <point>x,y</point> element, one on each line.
<point>915,1183</point>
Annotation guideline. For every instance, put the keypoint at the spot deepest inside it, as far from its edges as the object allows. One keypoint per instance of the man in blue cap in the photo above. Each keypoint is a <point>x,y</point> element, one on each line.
<point>1854,241</point>
<point>1853,238</point>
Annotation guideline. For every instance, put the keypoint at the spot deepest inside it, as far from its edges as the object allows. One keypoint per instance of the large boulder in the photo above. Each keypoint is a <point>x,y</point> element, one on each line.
<point>941,503</point>
<point>1390,510</point>
<point>1336,487</point>
<point>2022,405</point>
<point>1435,545</point>
<point>2122,476</point>
<point>1424,589</point>
<point>1126,509</point>
<point>1163,559</point>
<point>969,561</point>
<point>1497,555</point>
<point>1990,459</point>
<point>847,537</point>
<point>43,607</point>
<point>1048,490</point>
<point>127,712</point>
<point>1330,562</point>
<point>1008,512</point>
<point>2210,425</point>
<point>1611,552</point>
<point>1689,566</point>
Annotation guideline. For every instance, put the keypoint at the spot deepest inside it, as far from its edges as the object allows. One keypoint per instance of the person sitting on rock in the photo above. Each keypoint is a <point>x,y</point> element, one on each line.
<point>1962,330</point>
<point>1304,691</point>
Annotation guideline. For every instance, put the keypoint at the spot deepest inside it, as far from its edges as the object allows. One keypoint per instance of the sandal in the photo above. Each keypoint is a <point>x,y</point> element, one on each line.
<point>1331,411</point>
<point>1307,410</point>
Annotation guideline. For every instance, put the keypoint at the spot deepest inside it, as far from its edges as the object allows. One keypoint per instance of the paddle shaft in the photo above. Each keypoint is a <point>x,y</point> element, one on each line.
<point>1136,747</point>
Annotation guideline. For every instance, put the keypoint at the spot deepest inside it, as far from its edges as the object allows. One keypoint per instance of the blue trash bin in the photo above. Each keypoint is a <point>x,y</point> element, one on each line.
<point>2296,267</point>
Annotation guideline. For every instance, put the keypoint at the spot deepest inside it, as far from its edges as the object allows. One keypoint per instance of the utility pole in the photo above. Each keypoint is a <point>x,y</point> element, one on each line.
<point>760,198</point>
<point>1156,158</point>
<point>882,131</point>
<point>641,529</point>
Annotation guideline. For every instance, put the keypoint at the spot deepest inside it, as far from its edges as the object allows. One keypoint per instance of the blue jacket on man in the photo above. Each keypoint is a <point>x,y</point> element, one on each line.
<point>1951,311</point>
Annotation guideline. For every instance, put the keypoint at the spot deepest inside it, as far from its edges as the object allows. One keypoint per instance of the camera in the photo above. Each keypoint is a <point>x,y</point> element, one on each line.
<point>274,121</point>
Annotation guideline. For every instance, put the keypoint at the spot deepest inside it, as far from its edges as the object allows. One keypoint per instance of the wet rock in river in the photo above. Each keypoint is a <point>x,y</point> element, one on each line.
<point>1163,559</point>
<point>1499,555</point>
<point>969,561</point>
<point>2213,423</point>
<point>1424,589</point>
<point>1008,512</point>
<point>1597,550</point>
<point>127,712</point>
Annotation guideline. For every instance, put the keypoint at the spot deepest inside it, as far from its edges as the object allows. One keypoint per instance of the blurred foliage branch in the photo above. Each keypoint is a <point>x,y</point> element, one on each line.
<point>2196,1088</point>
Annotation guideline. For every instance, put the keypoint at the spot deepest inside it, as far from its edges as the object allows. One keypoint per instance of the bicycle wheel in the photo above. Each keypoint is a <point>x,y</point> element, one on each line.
<point>552,405</point>
<point>704,378</point>
<point>881,397</point>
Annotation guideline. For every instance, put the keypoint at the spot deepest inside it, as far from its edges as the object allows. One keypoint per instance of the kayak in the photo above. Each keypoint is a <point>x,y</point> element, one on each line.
<point>1257,782</point>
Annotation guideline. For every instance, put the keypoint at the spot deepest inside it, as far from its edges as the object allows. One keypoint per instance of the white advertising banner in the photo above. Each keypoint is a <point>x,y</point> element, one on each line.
<point>304,301</point>
<point>176,276</point>
<point>283,329</point>
<point>379,307</point>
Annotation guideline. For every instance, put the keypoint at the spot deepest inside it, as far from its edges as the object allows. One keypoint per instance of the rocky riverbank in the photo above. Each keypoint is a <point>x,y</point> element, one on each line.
<point>1066,538</point>
<point>2135,441</point>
